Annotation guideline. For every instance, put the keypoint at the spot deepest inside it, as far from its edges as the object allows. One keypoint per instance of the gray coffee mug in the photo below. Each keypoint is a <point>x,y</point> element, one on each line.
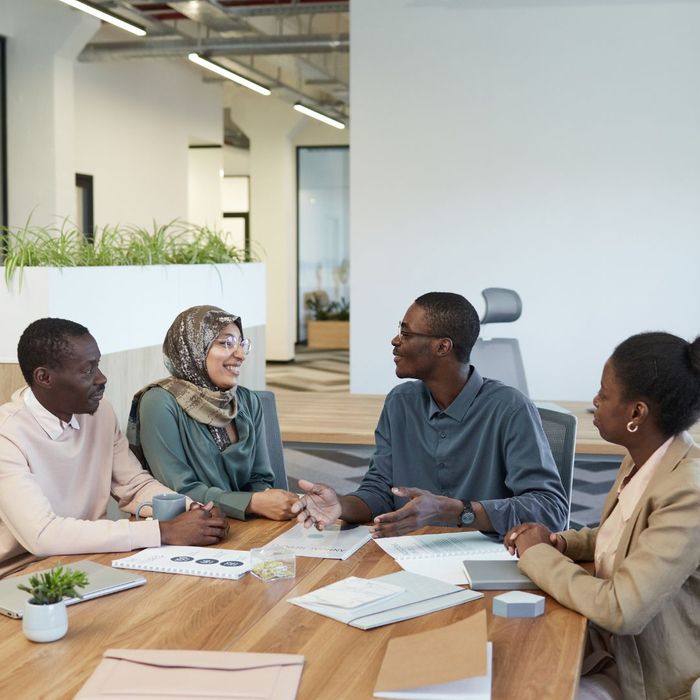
<point>165,506</point>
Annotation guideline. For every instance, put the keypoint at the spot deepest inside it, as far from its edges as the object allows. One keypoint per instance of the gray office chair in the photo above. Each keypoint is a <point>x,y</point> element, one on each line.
<point>500,358</point>
<point>273,438</point>
<point>560,429</point>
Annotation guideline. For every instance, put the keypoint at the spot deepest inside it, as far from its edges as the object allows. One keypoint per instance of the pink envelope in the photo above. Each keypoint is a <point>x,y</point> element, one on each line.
<point>132,674</point>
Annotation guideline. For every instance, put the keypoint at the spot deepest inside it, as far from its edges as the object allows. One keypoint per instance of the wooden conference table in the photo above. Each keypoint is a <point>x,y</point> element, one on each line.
<point>533,658</point>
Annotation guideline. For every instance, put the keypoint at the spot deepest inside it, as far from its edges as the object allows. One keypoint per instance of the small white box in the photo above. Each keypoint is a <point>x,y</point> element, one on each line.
<point>518,604</point>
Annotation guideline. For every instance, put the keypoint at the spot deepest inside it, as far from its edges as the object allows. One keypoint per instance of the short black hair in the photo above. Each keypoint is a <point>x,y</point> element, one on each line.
<point>45,343</point>
<point>664,371</point>
<point>451,315</point>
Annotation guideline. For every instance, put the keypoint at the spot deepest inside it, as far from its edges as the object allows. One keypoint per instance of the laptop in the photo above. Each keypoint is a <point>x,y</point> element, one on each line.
<point>103,580</point>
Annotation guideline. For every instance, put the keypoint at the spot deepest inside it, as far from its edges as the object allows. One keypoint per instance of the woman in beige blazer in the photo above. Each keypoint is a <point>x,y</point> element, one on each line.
<point>643,601</point>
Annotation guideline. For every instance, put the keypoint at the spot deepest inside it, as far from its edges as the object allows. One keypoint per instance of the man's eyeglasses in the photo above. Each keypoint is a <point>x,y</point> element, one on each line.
<point>233,342</point>
<point>403,334</point>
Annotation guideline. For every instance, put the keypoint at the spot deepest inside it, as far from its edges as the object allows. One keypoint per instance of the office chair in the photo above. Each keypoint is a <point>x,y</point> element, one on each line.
<point>273,438</point>
<point>500,358</point>
<point>560,429</point>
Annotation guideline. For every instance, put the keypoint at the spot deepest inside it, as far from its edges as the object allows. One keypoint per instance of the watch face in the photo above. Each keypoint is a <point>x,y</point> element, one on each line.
<point>468,516</point>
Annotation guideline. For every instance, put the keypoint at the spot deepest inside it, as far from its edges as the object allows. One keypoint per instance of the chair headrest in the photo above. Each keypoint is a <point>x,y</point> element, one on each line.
<point>502,305</point>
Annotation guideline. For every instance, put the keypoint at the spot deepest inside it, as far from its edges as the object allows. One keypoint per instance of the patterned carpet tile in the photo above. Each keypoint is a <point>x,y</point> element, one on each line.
<point>311,370</point>
<point>343,468</point>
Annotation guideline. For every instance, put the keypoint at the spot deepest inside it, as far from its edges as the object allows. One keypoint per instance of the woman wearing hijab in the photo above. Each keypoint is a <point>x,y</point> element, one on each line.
<point>643,599</point>
<point>199,431</point>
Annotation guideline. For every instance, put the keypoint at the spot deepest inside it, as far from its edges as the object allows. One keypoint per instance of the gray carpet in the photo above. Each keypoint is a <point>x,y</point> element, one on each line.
<point>342,467</point>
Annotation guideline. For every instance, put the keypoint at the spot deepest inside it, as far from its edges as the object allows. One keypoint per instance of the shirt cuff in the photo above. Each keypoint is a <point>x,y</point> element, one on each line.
<point>143,533</point>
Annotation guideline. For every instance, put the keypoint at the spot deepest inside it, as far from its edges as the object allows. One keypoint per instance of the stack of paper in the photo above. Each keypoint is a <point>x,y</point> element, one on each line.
<point>337,541</point>
<point>451,663</point>
<point>383,600</point>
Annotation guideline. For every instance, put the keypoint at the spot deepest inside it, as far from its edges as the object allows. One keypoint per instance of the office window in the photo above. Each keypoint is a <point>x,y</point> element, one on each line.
<point>323,219</point>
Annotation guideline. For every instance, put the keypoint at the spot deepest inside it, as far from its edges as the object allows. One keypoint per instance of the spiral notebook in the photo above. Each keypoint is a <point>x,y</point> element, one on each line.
<point>440,556</point>
<point>191,561</point>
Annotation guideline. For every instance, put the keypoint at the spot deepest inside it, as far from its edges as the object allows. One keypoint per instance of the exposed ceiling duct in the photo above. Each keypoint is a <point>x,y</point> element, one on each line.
<point>297,48</point>
<point>252,46</point>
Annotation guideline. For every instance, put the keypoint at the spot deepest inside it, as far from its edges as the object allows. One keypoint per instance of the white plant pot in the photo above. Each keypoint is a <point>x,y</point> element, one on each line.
<point>45,623</point>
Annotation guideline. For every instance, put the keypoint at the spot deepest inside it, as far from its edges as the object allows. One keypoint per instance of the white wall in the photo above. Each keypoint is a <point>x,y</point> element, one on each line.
<point>204,204</point>
<point>43,40</point>
<point>552,147</point>
<point>135,121</point>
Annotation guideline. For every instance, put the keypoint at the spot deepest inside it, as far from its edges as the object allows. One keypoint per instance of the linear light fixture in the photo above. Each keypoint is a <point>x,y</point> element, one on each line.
<point>106,16</point>
<point>317,115</point>
<point>226,73</point>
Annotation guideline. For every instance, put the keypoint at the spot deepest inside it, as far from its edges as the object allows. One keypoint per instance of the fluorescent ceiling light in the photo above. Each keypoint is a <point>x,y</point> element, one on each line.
<point>230,75</point>
<point>106,16</point>
<point>317,115</point>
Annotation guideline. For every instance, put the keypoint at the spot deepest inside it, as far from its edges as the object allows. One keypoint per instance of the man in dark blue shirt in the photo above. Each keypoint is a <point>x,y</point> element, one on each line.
<point>452,448</point>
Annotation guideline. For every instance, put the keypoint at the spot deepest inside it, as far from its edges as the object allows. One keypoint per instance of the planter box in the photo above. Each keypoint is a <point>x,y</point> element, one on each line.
<point>328,335</point>
<point>127,307</point>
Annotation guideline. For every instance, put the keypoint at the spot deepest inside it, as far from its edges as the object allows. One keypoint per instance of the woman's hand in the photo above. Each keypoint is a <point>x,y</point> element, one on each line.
<point>275,504</point>
<point>522,537</point>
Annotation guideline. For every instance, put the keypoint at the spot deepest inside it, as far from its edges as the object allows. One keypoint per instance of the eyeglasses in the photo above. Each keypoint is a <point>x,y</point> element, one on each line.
<point>233,342</point>
<point>403,334</point>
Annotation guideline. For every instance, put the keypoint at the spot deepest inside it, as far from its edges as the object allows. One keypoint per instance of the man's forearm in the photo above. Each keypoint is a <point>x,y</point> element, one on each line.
<point>453,508</point>
<point>354,510</point>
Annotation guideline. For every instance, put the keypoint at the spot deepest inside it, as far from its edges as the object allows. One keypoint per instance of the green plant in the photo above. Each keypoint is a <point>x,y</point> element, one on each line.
<point>324,310</point>
<point>174,243</point>
<point>52,586</point>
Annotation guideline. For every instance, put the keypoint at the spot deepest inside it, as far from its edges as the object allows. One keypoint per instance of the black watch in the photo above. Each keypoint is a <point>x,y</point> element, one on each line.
<point>468,516</point>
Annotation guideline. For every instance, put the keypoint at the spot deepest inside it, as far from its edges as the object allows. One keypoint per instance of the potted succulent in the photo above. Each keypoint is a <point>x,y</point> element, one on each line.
<point>45,618</point>
<point>329,325</point>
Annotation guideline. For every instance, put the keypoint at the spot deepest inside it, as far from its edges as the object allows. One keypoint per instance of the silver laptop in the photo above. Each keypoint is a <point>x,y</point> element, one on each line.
<point>103,580</point>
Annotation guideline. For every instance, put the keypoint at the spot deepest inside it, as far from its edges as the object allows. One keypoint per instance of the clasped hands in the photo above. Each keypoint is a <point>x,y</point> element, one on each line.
<point>320,506</point>
<point>520,538</point>
<point>201,525</point>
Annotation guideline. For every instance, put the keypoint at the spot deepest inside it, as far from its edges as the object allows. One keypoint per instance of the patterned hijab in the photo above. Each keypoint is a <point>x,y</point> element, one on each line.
<point>185,350</point>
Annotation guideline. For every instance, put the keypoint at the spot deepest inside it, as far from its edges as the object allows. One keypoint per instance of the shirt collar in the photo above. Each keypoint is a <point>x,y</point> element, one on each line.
<point>52,424</point>
<point>629,494</point>
<point>459,407</point>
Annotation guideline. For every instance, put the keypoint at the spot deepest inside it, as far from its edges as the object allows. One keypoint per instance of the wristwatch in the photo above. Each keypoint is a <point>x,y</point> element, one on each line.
<point>468,516</point>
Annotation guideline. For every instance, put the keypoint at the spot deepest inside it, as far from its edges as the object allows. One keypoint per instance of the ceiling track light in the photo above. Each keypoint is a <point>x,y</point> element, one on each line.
<point>228,74</point>
<point>317,115</point>
<point>105,16</point>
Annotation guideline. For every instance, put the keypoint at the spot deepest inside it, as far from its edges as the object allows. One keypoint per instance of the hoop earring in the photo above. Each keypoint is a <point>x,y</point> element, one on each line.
<point>632,427</point>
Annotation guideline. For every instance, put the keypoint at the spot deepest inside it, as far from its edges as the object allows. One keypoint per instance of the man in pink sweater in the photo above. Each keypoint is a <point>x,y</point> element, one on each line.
<point>62,454</point>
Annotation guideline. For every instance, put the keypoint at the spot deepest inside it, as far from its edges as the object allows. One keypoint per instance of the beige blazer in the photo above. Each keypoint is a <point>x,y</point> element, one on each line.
<point>652,602</point>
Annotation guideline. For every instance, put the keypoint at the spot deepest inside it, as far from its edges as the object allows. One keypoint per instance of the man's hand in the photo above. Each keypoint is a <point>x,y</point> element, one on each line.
<point>522,537</point>
<point>318,506</point>
<point>424,508</point>
<point>275,504</point>
<point>199,526</point>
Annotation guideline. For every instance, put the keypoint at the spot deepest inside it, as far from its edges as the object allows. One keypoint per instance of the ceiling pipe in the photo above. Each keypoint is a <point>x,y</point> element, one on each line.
<point>164,48</point>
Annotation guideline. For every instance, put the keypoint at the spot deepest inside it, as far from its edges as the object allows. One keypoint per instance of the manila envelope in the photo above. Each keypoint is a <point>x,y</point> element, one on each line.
<point>435,657</point>
<point>136,674</point>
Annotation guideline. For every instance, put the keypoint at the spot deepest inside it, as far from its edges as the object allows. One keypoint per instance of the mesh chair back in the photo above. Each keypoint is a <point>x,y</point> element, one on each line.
<point>273,438</point>
<point>500,358</point>
<point>560,429</point>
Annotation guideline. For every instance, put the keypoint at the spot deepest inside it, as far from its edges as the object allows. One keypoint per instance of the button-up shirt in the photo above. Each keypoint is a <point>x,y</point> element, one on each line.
<point>488,445</point>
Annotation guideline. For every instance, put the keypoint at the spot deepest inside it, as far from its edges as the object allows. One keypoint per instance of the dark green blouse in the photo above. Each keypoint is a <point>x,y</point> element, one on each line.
<point>183,455</point>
